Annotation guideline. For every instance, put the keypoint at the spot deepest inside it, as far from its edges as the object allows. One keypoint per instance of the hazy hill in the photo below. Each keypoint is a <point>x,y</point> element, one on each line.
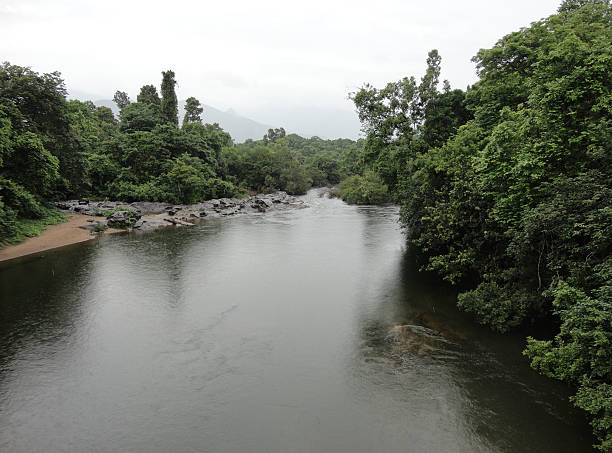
<point>307,121</point>
<point>239,127</point>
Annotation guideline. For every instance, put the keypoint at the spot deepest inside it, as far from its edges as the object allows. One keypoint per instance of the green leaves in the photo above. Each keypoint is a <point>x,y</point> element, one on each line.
<point>193,110</point>
<point>581,354</point>
<point>366,189</point>
<point>169,102</point>
<point>516,204</point>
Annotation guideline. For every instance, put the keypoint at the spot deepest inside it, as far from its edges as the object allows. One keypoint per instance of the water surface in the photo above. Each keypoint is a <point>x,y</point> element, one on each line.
<point>266,333</point>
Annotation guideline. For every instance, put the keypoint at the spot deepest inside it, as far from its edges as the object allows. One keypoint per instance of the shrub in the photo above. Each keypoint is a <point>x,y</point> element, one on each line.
<point>366,189</point>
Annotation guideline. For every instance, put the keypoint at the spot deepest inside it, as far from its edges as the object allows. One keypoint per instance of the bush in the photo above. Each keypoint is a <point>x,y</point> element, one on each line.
<point>366,189</point>
<point>218,188</point>
<point>13,230</point>
<point>8,222</point>
<point>20,200</point>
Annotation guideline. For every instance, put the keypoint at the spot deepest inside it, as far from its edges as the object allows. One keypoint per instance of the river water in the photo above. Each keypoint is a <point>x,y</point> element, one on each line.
<point>278,332</point>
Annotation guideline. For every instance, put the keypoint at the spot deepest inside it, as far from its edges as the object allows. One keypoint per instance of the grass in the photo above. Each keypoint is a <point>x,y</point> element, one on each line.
<point>27,228</point>
<point>98,228</point>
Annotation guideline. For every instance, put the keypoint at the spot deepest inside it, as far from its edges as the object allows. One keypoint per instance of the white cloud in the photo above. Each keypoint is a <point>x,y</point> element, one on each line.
<point>253,56</point>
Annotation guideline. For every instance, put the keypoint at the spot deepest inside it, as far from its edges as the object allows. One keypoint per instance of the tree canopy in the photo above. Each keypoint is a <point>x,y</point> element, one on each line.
<point>505,188</point>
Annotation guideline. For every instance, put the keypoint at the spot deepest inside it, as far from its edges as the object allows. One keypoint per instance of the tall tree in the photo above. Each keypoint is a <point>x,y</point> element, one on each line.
<point>169,102</point>
<point>122,99</point>
<point>428,89</point>
<point>193,110</point>
<point>148,95</point>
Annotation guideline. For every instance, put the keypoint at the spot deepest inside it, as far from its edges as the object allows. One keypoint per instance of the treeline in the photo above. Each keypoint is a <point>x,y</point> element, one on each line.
<point>292,163</point>
<point>505,189</point>
<point>52,148</point>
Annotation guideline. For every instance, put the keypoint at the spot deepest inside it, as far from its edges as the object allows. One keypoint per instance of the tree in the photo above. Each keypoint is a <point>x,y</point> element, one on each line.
<point>37,99</point>
<point>273,135</point>
<point>515,204</point>
<point>105,115</point>
<point>169,102</point>
<point>571,5</point>
<point>122,99</point>
<point>428,89</point>
<point>148,95</point>
<point>36,103</point>
<point>193,110</point>
<point>139,116</point>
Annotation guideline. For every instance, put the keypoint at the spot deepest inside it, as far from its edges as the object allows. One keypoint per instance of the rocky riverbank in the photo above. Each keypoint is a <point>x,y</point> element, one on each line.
<point>146,216</point>
<point>86,218</point>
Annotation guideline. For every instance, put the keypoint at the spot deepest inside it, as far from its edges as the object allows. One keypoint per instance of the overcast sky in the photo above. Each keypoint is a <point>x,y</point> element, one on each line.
<point>257,57</point>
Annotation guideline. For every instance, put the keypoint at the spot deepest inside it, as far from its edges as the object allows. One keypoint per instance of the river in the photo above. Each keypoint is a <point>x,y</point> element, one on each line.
<point>277,332</point>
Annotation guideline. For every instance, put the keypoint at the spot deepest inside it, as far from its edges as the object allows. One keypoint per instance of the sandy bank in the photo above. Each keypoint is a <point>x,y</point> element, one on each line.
<point>53,237</point>
<point>159,215</point>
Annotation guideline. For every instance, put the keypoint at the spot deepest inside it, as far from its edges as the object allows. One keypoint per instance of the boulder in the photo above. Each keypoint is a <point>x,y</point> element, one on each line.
<point>95,225</point>
<point>64,206</point>
<point>122,219</point>
<point>149,224</point>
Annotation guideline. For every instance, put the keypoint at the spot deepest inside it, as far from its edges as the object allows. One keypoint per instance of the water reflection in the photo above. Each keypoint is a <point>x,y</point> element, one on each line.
<point>416,339</point>
<point>41,301</point>
<point>307,330</point>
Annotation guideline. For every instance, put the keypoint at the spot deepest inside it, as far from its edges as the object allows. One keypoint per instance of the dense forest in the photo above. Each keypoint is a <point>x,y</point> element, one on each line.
<point>52,148</point>
<point>505,189</point>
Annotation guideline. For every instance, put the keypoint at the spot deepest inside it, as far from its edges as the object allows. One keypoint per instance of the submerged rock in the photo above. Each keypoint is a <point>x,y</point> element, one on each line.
<point>417,340</point>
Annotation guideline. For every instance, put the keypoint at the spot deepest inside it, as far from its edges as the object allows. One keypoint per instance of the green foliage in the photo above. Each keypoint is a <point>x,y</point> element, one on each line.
<point>499,306</point>
<point>139,116</point>
<point>581,353</point>
<point>148,95</point>
<point>8,223</point>
<point>14,230</point>
<point>274,134</point>
<point>169,102</point>
<point>20,200</point>
<point>366,189</point>
<point>193,110</point>
<point>267,168</point>
<point>505,189</point>
<point>185,179</point>
<point>404,118</point>
<point>122,99</point>
<point>36,108</point>
<point>98,228</point>
<point>37,101</point>
<point>31,165</point>
<point>290,162</point>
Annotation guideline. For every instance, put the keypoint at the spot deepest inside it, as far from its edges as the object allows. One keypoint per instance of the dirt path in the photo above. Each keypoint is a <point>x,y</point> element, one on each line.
<point>53,237</point>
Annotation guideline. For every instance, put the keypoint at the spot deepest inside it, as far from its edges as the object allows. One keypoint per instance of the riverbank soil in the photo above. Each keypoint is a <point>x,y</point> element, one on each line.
<point>53,237</point>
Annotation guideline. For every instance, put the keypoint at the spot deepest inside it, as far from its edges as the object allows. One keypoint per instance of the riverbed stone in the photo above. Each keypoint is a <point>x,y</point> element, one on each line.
<point>123,219</point>
<point>155,211</point>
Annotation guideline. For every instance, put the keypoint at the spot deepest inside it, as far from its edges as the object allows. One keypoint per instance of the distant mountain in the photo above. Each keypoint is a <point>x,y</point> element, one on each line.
<point>239,127</point>
<point>307,121</point>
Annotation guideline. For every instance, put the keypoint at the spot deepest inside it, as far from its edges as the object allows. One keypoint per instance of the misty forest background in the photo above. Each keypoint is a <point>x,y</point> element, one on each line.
<point>505,188</point>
